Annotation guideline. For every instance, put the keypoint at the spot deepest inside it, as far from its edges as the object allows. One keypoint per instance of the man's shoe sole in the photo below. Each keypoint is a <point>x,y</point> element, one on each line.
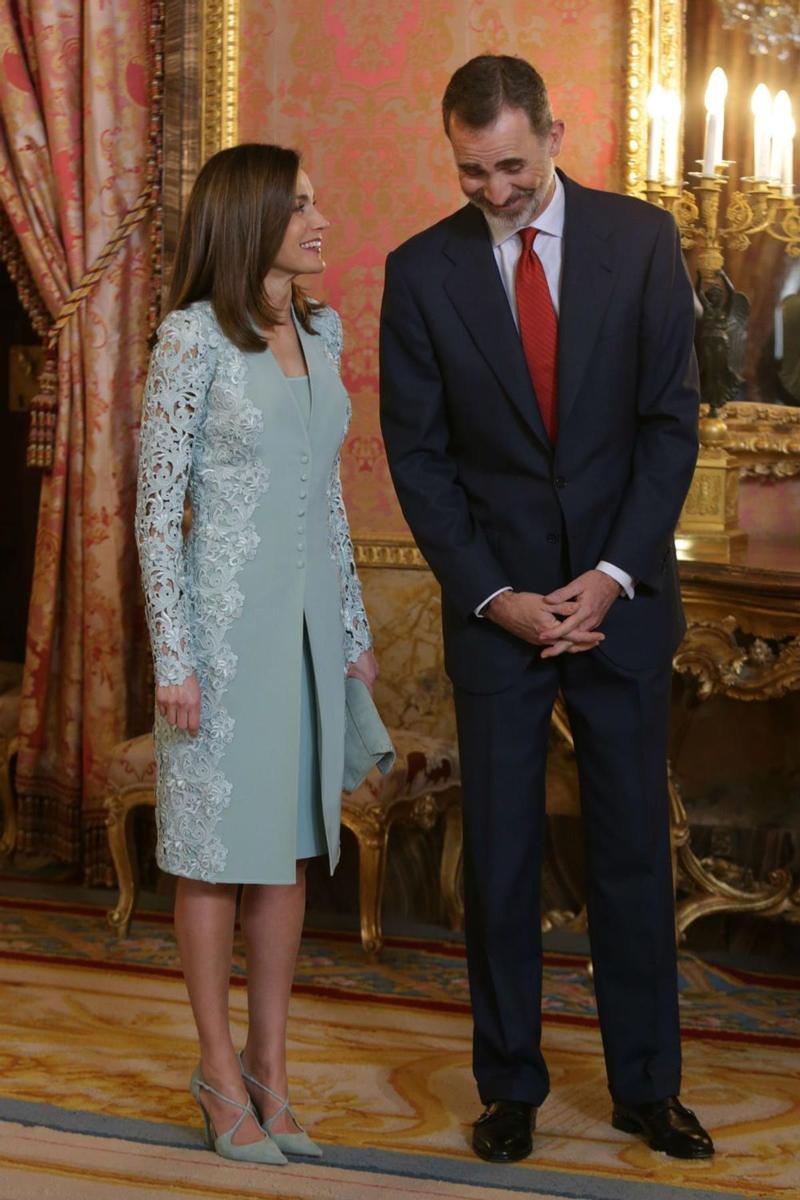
<point>503,1158</point>
<point>630,1125</point>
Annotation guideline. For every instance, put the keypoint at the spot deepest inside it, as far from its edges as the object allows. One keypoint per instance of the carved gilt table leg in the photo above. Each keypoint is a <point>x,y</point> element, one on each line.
<point>708,891</point>
<point>721,664</point>
<point>452,858</point>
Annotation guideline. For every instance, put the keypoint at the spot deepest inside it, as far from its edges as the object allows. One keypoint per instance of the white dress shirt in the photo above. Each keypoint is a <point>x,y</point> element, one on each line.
<point>549,247</point>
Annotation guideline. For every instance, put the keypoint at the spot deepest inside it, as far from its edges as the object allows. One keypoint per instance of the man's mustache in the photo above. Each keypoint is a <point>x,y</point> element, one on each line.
<point>519,194</point>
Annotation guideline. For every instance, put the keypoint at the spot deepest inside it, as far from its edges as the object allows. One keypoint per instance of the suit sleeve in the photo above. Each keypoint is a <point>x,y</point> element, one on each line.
<point>667,409</point>
<point>416,434</point>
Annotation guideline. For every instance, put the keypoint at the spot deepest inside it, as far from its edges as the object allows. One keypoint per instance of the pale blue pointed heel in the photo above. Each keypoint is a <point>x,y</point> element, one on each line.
<point>264,1151</point>
<point>290,1143</point>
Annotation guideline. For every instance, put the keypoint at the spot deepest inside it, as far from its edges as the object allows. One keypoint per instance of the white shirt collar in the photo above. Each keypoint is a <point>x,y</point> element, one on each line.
<point>551,221</point>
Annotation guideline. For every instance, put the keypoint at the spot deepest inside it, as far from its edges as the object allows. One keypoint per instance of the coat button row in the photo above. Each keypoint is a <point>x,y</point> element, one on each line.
<point>303,458</point>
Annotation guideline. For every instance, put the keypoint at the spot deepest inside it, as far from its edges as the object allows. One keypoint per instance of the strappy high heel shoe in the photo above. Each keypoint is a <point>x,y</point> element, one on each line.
<point>290,1143</point>
<point>263,1151</point>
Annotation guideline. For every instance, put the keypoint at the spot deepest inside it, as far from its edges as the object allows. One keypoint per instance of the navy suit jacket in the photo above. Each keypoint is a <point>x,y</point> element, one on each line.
<point>490,502</point>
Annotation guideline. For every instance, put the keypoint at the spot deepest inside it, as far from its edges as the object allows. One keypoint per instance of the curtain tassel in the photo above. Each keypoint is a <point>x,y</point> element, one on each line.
<point>42,427</point>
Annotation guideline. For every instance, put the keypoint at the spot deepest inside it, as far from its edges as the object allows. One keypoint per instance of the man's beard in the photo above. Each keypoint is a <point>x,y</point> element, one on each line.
<point>501,222</point>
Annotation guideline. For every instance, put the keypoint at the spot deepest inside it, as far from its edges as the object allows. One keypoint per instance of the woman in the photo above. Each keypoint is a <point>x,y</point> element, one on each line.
<point>254,621</point>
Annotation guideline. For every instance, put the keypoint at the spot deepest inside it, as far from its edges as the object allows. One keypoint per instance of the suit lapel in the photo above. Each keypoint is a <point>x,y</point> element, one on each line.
<point>588,276</point>
<point>476,292</point>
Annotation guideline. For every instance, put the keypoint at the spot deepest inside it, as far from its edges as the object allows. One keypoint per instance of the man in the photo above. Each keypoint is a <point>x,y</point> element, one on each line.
<point>539,408</point>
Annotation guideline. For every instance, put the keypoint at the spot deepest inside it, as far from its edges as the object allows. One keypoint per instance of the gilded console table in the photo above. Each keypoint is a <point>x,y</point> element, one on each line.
<point>743,642</point>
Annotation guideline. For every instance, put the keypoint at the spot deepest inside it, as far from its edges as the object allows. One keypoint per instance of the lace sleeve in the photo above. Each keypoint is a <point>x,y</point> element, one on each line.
<point>357,636</point>
<point>180,372</point>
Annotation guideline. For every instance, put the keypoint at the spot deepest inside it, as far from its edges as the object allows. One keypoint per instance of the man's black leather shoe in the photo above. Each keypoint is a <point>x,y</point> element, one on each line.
<point>504,1132</point>
<point>665,1125</point>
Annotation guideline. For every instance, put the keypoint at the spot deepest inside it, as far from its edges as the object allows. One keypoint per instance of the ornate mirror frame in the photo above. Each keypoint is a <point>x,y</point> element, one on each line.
<point>201,53</point>
<point>764,438</point>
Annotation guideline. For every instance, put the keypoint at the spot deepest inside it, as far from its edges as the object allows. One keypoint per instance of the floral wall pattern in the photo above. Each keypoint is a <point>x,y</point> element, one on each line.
<point>356,85</point>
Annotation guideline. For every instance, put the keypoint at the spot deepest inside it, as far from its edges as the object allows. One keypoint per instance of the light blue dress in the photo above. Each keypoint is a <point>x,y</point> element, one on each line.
<point>262,600</point>
<point>311,841</point>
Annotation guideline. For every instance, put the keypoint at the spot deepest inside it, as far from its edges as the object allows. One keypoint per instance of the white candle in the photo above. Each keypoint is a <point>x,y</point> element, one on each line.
<point>716,92</point>
<point>779,130</point>
<point>761,107</point>
<point>787,176</point>
<point>672,136</point>
<point>655,113</point>
<point>778,351</point>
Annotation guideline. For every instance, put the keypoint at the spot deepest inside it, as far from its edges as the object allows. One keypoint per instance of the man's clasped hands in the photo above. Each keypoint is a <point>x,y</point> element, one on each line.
<point>565,621</point>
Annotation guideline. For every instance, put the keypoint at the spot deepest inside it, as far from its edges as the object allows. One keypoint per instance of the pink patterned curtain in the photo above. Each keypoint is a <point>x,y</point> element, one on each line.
<point>74,141</point>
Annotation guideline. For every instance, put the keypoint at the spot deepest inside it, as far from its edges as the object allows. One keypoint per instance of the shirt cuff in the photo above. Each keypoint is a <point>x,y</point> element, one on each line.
<point>489,599</point>
<point>624,580</point>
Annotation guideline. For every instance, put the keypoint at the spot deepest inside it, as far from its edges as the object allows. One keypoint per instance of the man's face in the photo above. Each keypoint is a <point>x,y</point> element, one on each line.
<point>506,169</point>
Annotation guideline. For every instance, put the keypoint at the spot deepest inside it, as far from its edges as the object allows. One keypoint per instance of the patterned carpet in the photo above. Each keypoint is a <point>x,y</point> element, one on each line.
<point>96,1046</point>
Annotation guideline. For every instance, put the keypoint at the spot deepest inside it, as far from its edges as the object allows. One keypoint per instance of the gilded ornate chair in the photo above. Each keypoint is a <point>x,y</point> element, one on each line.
<point>10,695</point>
<point>423,784</point>
<point>131,783</point>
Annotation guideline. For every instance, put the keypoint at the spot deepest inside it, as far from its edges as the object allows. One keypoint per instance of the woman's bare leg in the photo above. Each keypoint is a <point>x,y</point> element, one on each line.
<point>272,923</point>
<point>205,914</point>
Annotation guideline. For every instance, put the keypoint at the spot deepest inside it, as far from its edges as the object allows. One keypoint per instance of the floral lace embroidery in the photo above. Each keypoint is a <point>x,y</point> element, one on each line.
<point>180,372</point>
<point>198,428</point>
<point>357,636</point>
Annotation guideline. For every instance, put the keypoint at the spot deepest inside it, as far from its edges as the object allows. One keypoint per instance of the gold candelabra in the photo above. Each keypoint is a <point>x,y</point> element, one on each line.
<point>709,526</point>
<point>760,207</point>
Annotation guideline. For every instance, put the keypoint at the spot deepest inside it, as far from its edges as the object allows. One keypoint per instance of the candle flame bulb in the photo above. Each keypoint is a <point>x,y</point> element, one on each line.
<point>780,126</point>
<point>761,104</point>
<point>761,108</point>
<point>716,91</point>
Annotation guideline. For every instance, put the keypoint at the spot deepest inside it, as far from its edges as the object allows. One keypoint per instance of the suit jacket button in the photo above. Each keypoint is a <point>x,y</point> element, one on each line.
<point>552,538</point>
<point>560,481</point>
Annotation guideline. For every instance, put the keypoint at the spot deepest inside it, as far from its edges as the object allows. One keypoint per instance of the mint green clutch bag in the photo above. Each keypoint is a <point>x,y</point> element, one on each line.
<point>366,741</point>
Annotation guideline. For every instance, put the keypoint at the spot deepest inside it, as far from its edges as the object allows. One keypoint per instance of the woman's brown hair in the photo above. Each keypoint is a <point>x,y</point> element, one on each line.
<point>233,227</point>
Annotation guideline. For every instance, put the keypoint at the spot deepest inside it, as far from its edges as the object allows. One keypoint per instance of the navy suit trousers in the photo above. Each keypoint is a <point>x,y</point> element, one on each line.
<point>619,721</point>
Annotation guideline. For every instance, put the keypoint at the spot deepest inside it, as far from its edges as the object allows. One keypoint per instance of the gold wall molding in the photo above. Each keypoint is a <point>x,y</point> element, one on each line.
<point>384,551</point>
<point>637,75</point>
<point>220,77</point>
<point>655,54</point>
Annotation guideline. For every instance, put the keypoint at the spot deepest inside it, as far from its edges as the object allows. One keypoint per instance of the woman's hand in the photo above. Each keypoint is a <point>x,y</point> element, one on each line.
<point>365,668</point>
<point>179,704</point>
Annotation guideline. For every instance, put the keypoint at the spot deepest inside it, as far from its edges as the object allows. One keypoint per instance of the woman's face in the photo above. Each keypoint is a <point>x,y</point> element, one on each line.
<point>301,249</point>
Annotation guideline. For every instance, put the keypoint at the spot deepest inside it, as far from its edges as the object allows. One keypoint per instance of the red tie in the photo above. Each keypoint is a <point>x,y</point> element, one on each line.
<point>538,327</point>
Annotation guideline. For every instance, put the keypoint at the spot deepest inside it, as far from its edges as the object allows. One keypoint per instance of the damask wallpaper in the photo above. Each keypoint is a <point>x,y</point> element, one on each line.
<point>356,85</point>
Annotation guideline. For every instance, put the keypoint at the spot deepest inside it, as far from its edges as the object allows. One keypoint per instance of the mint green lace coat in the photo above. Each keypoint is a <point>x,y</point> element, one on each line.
<point>269,547</point>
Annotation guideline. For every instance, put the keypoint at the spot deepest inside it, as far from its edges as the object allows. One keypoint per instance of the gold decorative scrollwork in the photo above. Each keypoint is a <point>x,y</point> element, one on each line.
<point>716,885</point>
<point>721,663</point>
